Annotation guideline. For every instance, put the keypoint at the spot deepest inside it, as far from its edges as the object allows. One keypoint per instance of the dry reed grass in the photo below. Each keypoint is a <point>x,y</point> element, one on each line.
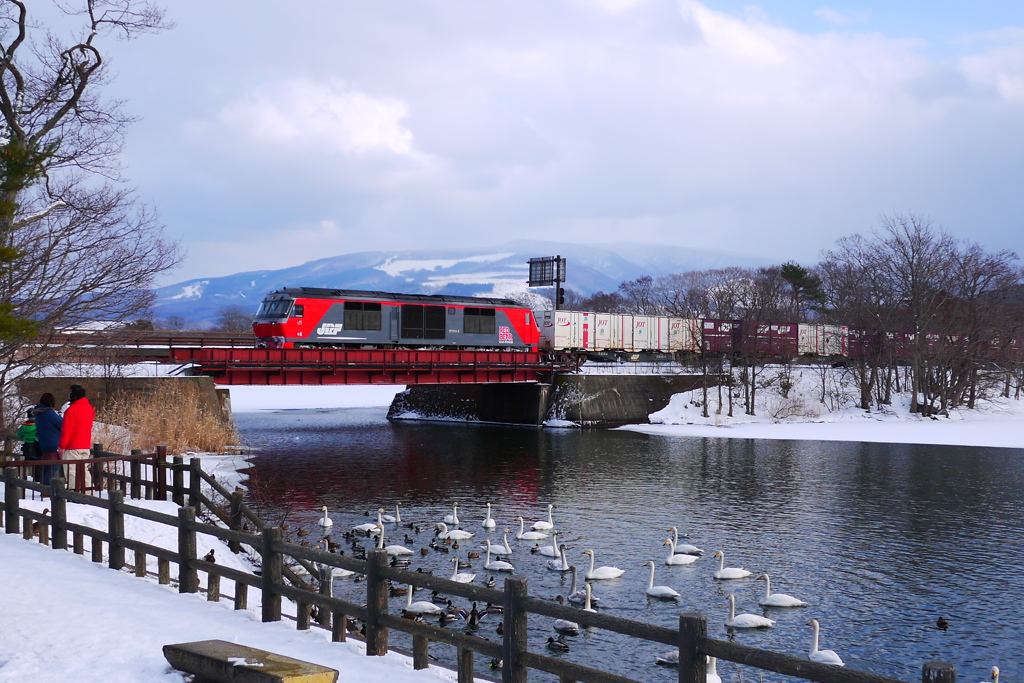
<point>177,416</point>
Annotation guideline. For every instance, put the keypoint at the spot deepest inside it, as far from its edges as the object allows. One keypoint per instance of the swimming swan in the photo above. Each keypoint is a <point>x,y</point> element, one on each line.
<point>524,535</point>
<point>579,596</point>
<point>660,592</point>
<point>325,521</point>
<point>454,534</point>
<point>453,518</point>
<point>461,578</point>
<point>725,573</point>
<point>822,656</point>
<point>601,572</point>
<point>684,548</point>
<point>501,549</point>
<point>488,522</point>
<point>711,675</point>
<point>391,549</point>
<point>367,528</point>
<point>420,606</point>
<point>561,564</point>
<point>545,525</point>
<point>551,550</point>
<point>745,620</point>
<point>397,517</point>
<point>777,599</point>
<point>675,558</point>
<point>496,565</point>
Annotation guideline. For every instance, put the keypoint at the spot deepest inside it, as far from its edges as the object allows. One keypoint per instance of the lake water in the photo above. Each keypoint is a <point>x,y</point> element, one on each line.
<point>880,539</point>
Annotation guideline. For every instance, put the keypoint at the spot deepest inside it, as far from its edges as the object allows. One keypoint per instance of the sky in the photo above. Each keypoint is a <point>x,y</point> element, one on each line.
<point>273,134</point>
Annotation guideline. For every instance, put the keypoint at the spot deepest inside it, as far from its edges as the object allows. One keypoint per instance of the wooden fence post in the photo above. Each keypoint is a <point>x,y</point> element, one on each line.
<point>12,494</point>
<point>693,629</point>
<point>212,586</point>
<point>938,672</point>
<point>514,640</point>
<point>135,467</point>
<point>188,575</point>
<point>241,595</point>
<point>93,472</point>
<point>178,481</point>
<point>59,506</point>
<point>465,656</point>
<point>194,483</point>
<point>115,527</point>
<point>273,564</point>
<point>339,629</point>
<point>140,563</point>
<point>420,652</point>
<point>376,603</point>
<point>327,590</point>
<point>235,519</point>
<point>160,474</point>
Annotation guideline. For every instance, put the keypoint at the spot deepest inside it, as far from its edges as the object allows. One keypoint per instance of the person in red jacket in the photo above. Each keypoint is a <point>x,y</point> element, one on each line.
<point>76,436</point>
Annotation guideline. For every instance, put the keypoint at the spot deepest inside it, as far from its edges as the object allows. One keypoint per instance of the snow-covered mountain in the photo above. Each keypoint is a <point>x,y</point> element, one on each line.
<point>492,271</point>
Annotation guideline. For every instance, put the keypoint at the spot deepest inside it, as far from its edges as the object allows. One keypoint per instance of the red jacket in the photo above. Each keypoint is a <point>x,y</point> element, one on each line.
<point>76,431</point>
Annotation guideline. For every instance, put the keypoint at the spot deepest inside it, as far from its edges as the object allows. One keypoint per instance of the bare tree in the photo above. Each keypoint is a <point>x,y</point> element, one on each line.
<point>234,318</point>
<point>81,246</point>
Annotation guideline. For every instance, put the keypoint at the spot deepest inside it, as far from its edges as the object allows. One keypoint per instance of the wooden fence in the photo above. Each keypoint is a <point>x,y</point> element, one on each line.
<point>278,581</point>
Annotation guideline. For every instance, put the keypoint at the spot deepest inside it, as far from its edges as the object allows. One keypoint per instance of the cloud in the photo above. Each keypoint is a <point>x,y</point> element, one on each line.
<point>312,114</point>
<point>837,18</point>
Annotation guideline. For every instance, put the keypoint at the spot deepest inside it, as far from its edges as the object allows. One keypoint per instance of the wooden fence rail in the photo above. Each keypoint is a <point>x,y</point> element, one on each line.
<point>278,581</point>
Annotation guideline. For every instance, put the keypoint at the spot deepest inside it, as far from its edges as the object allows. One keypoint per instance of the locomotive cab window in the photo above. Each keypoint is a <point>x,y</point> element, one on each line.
<point>274,309</point>
<point>362,315</point>
<point>298,310</point>
<point>422,322</point>
<point>478,321</point>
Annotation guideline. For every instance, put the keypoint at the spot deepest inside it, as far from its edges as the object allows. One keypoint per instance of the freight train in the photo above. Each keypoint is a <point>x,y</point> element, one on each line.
<point>307,317</point>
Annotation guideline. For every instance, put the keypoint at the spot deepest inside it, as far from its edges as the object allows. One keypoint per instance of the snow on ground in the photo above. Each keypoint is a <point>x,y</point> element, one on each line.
<point>67,619</point>
<point>802,415</point>
<point>247,399</point>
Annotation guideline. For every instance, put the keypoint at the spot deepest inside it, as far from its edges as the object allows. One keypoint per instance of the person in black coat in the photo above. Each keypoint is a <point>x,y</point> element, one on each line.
<point>48,426</point>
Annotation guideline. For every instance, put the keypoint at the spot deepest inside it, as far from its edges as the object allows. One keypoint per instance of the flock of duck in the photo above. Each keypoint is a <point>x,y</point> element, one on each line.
<point>449,532</point>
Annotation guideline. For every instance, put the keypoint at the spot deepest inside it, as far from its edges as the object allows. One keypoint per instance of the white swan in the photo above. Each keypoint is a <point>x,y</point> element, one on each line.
<point>711,675</point>
<point>822,656</point>
<point>995,676</point>
<point>777,599</point>
<point>545,525</point>
<point>678,558</point>
<point>524,535</point>
<point>397,517</point>
<point>461,578</point>
<point>551,550</point>
<point>578,596</point>
<point>420,606</point>
<point>601,572</point>
<point>501,549</point>
<point>725,573</point>
<point>561,564</point>
<point>565,626</point>
<point>684,548</point>
<point>670,658</point>
<point>454,534</point>
<point>367,528</point>
<point>391,549</point>
<point>488,522</point>
<point>325,521</point>
<point>453,518</point>
<point>660,592</point>
<point>496,565</point>
<point>589,599</point>
<point>745,620</point>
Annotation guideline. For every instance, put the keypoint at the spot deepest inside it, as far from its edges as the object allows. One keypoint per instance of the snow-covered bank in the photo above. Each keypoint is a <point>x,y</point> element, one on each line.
<point>67,619</point>
<point>802,415</point>
<point>246,399</point>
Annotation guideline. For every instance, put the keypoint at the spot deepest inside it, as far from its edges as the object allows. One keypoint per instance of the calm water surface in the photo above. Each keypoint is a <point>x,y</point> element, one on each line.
<point>880,539</point>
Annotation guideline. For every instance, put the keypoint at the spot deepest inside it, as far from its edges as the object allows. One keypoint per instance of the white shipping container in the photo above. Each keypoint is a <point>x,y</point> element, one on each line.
<point>822,340</point>
<point>607,334</point>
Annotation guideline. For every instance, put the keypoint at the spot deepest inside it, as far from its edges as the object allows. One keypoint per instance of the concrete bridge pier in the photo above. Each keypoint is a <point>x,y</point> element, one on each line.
<point>590,400</point>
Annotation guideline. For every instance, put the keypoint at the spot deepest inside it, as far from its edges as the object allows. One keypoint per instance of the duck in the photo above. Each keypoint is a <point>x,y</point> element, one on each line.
<point>557,645</point>
<point>683,548</point>
<point>545,525</point>
<point>461,578</point>
<point>725,573</point>
<point>391,549</point>
<point>505,549</point>
<point>551,550</point>
<point>601,573</point>
<point>397,516</point>
<point>325,521</point>
<point>496,565</point>
<point>454,535</point>
<point>562,563</point>
<point>942,623</point>
<point>822,656</point>
<point>490,582</point>
<point>570,628</point>
<point>660,592</point>
<point>453,518</point>
<point>578,596</point>
<point>777,599</point>
<point>675,558</point>
<point>746,620</point>
<point>524,535</point>
<point>488,522</point>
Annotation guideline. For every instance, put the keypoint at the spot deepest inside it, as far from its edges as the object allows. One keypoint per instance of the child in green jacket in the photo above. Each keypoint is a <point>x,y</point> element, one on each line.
<point>30,449</point>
